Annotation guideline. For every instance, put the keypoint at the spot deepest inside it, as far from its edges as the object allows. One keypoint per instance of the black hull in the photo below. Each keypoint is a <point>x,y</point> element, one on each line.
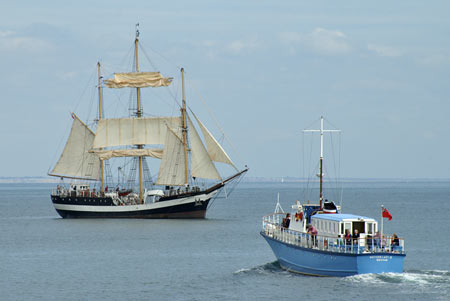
<point>188,205</point>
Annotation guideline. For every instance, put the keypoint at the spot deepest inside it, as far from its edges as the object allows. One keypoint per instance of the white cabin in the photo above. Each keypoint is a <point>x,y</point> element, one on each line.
<point>335,225</point>
<point>79,187</point>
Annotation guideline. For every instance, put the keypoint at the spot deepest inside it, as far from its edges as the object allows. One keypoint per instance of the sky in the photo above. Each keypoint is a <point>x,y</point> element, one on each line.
<point>379,71</point>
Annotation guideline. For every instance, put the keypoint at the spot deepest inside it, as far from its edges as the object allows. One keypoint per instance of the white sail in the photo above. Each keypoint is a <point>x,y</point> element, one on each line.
<point>133,131</point>
<point>172,168</point>
<point>201,164</point>
<point>76,161</point>
<point>147,152</point>
<point>137,80</point>
<point>215,150</point>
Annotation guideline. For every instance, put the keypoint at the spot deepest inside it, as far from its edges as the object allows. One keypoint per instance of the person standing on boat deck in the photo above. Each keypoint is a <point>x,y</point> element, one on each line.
<point>355,237</point>
<point>286,221</point>
<point>313,232</point>
<point>369,241</point>
<point>348,237</point>
<point>394,241</point>
<point>378,239</point>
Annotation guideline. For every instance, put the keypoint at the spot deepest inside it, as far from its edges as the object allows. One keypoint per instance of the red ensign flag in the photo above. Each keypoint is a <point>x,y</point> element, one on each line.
<point>386,214</point>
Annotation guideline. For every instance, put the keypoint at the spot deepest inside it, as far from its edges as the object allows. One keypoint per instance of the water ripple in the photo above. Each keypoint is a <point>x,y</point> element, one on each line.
<point>268,268</point>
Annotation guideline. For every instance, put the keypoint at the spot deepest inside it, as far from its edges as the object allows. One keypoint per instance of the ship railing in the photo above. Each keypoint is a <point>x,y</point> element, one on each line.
<point>63,192</point>
<point>272,227</point>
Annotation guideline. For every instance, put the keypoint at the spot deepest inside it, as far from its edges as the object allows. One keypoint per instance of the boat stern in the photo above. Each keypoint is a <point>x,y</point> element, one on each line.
<point>380,263</point>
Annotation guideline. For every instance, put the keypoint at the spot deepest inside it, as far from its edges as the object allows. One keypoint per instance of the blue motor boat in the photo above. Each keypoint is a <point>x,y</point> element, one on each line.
<point>317,239</point>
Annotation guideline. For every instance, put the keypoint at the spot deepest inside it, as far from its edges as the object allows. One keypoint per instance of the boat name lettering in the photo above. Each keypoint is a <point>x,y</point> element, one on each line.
<point>381,258</point>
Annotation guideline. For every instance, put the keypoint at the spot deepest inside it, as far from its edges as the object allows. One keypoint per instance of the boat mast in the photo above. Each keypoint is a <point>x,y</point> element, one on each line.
<point>139,112</point>
<point>321,161</point>
<point>100,116</point>
<point>321,131</point>
<point>183,120</point>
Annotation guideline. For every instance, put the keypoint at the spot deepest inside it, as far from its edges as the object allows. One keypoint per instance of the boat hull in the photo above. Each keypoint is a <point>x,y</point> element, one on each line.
<point>103,207</point>
<point>323,263</point>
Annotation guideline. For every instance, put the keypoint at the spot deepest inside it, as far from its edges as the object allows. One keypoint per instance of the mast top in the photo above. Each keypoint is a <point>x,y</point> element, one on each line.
<point>137,31</point>
<point>321,131</point>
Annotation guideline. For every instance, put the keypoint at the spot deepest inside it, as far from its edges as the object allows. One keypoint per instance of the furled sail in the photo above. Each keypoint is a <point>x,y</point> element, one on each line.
<point>215,150</point>
<point>172,168</point>
<point>147,152</point>
<point>201,164</point>
<point>76,161</point>
<point>137,80</point>
<point>133,131</point>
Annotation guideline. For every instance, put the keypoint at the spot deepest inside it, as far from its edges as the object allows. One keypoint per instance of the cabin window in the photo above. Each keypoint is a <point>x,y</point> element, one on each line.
<point>348,226</point>
<point>342,228</point>
<point>369,228</point>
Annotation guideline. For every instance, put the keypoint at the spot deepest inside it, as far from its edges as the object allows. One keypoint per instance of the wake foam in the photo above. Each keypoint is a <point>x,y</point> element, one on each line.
<point>268,268</point>
<point>413,277</point>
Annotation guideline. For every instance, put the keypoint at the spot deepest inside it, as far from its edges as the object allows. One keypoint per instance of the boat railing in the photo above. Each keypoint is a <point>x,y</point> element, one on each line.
<point>388,244</point>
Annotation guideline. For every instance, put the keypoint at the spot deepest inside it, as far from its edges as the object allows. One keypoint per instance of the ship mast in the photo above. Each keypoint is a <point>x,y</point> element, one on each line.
<point>183,120</point>
<point>321,131</point>
<point>139,113</point>
<point>100,116</point>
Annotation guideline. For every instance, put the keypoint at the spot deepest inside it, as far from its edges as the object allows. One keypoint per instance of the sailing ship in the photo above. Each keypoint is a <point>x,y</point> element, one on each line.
<point>320,240</point>
<point>173,140</point>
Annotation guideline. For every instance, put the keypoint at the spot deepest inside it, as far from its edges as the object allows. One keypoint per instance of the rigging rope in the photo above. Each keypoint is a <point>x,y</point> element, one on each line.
<point>217,123</point>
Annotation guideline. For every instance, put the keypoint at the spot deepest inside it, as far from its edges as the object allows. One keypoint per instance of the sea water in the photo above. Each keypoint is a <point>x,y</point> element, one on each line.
<point>43,256</point>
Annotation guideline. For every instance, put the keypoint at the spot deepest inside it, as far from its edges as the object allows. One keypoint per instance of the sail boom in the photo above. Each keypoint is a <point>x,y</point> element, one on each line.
<point>71,177</point>
<point>138,80</point>
<point>144,152</point>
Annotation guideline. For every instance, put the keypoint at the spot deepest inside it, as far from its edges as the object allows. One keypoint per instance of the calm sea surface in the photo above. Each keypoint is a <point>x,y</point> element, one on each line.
<point>43,256</point>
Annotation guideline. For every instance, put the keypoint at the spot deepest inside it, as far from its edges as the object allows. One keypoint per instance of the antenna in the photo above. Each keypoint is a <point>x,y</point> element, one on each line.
<point>137,30</point>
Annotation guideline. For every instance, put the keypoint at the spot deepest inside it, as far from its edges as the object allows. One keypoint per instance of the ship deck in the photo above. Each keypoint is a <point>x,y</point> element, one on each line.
<point>272,229</point>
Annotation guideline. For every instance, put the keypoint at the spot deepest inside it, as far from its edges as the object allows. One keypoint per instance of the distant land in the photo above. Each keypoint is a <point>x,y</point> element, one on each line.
<point>46,179</point>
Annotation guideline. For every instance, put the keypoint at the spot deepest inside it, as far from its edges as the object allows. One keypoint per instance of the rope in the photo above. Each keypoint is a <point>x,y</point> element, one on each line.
<point>217,123</point>
<point>80,98</point>
<point>162,56</point>
<point>232,185</point>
